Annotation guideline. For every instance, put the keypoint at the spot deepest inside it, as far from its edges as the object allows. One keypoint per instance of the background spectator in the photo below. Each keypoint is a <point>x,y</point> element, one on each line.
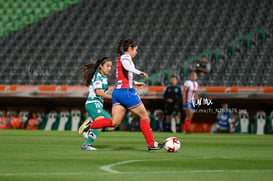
<point>33,122</point>
<point>4,121</point>
<point>134,122</point>
<point>172,96</point>
<point>160,122</point>
<point>203,66</point>
<point>223,117</point>
<point>16,121</point>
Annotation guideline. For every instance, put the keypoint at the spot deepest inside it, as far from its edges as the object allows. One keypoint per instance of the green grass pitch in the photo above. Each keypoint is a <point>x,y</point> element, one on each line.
<point>52,155</point>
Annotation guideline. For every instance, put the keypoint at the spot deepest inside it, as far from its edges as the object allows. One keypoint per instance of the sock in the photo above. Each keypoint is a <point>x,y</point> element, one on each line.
<point>187,123</point>
<point>92,135</point>
<point>101,123</point>
<point>147,132</point>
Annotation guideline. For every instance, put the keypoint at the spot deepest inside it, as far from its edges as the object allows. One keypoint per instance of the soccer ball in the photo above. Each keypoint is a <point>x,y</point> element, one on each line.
<point>172,144</point>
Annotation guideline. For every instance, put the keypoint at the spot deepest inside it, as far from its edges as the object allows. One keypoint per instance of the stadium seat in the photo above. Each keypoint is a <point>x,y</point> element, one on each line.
<point>260,126</point>
<point>16,14</point>
<point>243,126</point>
<point>58,6</point>
<point>71,2</point>
<point>75,119</point>
<point>50,121</point>
<point>53,33</point>
<point>64,123</point>
<point>270,121</point>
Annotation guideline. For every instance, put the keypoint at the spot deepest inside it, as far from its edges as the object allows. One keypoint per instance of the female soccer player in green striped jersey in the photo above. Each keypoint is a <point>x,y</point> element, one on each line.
<point>94,75</point>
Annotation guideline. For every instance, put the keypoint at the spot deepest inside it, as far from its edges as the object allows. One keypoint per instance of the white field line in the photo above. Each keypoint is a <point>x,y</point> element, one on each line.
<point>138,172</point>
<point>40,174</point>
<point>108,168</point>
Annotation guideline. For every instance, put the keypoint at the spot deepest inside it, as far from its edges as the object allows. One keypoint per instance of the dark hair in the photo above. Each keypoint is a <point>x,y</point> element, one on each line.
<point>88,70</point>
<point>174,76</point>
<point>124,44</point>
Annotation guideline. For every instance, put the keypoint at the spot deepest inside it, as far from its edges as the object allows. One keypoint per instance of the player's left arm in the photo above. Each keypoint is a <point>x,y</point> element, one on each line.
<point>127,65</point>
<point>139,84</point>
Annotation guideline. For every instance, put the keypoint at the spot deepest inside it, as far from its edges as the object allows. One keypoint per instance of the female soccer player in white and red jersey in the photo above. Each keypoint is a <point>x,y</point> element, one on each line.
<point>125,96</point>
<point>189,96</point>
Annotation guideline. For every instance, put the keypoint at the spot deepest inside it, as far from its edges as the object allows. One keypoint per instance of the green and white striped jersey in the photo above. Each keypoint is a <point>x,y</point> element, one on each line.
<point>98,82</point>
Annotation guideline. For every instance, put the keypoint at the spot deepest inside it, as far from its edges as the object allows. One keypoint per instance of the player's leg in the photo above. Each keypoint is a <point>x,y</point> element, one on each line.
<point>134,103</point>
<point>96,112</point>
<point>92,135</point>
<point>188,107</point>
<point>85,126</point>
<point>118,113</point>
<point>176,116</point>
<point>176,122</point>
<point>144,124</point>
<point>146,129</point>
<point>187,121</point>
<point>175,112</point>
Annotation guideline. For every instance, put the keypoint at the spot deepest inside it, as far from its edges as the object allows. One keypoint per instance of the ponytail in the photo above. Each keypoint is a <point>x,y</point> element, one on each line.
<point>88,70</point>
<point>124,44</point>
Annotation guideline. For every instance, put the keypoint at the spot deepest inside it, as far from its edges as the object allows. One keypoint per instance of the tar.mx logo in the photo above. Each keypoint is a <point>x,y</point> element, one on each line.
<point>201,101</point>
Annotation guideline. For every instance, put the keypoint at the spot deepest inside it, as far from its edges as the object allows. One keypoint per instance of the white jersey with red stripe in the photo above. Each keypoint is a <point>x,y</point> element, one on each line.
<point>125,72</point>
<point>191,88</point>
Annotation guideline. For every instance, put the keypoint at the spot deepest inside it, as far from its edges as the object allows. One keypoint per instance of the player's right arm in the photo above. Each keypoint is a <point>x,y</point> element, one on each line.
<point>185,90</point>
<point>184,94</point>
<point>101,93</point>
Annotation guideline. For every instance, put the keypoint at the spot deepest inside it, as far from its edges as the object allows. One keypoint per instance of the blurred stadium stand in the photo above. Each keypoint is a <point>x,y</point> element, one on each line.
<point>66,120</point>
<point>45,42</point>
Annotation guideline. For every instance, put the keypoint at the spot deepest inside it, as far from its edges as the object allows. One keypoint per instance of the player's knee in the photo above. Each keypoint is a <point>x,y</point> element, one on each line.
<point>144,115</point>
<point>115,123</point>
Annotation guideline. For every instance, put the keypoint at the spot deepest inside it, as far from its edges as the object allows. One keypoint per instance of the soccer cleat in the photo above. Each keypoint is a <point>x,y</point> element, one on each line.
<point>85,126</point>
<point>88,148</point>
<point>157,146</point>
